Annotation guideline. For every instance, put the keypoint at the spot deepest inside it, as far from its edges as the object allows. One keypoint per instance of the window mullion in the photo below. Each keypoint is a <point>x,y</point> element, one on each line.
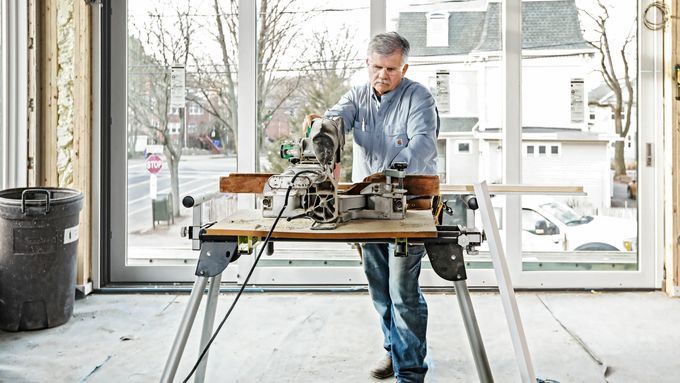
<point>512,127</point>
<point>247,95</point>
<point>16,94</point>
<point>378,16</point>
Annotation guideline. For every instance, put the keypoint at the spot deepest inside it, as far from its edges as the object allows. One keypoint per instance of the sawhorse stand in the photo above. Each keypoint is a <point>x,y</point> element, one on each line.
<point>219,247</point>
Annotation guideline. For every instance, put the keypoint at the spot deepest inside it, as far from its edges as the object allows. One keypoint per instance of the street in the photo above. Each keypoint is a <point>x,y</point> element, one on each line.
<point>197,175</point>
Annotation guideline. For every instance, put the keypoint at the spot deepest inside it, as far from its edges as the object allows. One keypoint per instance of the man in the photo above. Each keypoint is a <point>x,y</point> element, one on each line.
<point>393,119</point>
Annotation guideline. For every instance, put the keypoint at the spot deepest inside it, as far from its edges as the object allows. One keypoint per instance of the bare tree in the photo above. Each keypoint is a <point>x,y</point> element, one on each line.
<point>326,79</point>
<point>278,27</point>
<point>617,78</point>
<point>149,86</point>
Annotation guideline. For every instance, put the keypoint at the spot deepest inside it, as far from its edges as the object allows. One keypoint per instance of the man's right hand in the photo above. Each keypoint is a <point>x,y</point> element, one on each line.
<point>307,122</point>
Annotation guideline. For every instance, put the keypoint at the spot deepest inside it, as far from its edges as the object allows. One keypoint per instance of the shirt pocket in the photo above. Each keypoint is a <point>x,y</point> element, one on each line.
<point>397,137</point>
<point>362,136</point>
<point>396,141</point>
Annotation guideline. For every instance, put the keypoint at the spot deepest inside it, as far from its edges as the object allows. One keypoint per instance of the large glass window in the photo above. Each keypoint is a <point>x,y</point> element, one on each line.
<point>456,52</point>
<point>571,125</point>
<point>309,54</point>
<point>181,120</point>
<point>579,112</point>
<point>462,70</point>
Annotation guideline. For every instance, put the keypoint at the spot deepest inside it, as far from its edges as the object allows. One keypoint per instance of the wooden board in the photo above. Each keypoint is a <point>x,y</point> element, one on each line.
<point>49,93</point>
<point>417,185</point>
<point>515,189</point>
<point>82,138</point>
<point>417,224</point>
<point>672,261</point>
<point>244,182</point>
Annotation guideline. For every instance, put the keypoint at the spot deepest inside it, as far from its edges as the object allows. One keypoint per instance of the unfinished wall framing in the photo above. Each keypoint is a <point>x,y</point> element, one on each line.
<point>672,262</point>
<point>64,110</point>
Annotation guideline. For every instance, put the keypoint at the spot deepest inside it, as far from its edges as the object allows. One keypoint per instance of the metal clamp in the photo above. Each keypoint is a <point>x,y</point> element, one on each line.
<point>447,260</point>
<point>401,247</point>
<point>214,258</point>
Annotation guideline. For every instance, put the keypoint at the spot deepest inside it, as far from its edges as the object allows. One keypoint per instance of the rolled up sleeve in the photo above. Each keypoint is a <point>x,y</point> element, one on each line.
<point>421,128</point>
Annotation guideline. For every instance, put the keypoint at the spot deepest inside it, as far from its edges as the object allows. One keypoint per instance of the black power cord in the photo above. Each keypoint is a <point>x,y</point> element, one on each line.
<point>250,273</point>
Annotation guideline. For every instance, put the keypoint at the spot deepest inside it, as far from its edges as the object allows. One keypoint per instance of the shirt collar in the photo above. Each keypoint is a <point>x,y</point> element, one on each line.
<point>387,97</point>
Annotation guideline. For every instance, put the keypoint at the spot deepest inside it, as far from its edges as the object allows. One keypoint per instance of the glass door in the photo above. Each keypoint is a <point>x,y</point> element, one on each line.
<point>583,100</point>
<point>174,130</point>
<point>310,53</point>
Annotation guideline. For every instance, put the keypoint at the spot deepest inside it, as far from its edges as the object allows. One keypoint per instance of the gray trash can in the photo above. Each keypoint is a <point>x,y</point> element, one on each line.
<point>38,248</point>
<point>161,209</point>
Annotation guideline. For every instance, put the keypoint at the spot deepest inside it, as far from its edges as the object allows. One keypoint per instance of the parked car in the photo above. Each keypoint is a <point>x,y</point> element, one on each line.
<point>553,226</point>
<point>549,225</point>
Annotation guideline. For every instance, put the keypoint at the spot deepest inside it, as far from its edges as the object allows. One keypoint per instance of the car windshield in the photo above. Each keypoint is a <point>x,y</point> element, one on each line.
<point>564,213</point>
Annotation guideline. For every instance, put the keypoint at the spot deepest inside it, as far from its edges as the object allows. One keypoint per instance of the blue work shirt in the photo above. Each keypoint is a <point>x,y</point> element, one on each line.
<point>400,126</point>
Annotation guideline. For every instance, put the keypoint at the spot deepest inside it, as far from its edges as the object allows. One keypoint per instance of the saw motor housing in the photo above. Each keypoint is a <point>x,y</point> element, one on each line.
<point>314,193</point>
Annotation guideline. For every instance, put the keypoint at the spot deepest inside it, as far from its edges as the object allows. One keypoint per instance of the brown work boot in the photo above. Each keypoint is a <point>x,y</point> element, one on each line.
<point>383,369</point>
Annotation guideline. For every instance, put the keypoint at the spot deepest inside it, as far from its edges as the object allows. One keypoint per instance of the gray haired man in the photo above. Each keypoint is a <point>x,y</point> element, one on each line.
<point>393,119</point>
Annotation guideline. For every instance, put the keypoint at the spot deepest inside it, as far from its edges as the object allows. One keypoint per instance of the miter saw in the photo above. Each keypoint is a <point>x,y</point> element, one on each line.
<point>314,193</point>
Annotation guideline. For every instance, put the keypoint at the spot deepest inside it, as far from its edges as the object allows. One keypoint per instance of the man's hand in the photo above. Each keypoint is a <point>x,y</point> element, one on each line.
<point>307,122</point>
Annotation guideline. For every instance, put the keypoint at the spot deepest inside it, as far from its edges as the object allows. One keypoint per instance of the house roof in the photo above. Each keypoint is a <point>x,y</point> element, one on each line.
<point>600,92</point>
<point>457,124</point>
<point>465,29</point>
<point>535,129</point>
<point>603,93</point>
<point>546,25</point>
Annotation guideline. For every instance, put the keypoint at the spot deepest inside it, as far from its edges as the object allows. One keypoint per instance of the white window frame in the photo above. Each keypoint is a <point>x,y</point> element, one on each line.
<point>456,147</point>
<point>437,34</point>
<point>13,132</point>
<point>195,109</point>
<point>650,198</point>
<point>174,128</point>
<point>650,202</point>
<point>536,144</point>
<point>555,145</point>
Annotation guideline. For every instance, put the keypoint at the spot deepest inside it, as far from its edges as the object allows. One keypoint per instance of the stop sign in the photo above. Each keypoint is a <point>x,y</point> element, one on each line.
<point>154,164</point>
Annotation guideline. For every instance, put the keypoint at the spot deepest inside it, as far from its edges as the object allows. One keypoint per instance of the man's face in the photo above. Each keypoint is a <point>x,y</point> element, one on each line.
<point>385,72</point>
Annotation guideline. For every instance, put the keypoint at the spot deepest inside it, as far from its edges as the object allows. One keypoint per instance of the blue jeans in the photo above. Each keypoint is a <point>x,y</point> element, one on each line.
<point>394,288</point>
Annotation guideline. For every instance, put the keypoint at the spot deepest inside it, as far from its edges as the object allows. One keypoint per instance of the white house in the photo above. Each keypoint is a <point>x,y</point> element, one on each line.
<point>456,50</point>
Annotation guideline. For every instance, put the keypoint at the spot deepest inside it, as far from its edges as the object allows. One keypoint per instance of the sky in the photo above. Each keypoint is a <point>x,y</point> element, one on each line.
<point>335,15</point>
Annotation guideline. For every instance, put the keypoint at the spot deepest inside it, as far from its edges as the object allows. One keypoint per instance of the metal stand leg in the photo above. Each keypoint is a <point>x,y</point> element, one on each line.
<point>448,262</point>
<point>214,258</point>
<point>472,330</point>
<point>184,329</point>
<point>208,321</point>
<point>519,340</point>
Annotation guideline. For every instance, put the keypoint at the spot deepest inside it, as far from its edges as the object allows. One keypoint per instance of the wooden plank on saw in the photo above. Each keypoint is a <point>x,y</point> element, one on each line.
<point>417,224</point>
<point>415,184</point>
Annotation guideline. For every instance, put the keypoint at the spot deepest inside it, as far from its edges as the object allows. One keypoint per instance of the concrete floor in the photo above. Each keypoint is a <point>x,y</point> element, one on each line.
<point>324,337</point>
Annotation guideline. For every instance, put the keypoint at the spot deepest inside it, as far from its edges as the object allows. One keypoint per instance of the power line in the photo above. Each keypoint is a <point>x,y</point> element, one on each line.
<point>212,15</point>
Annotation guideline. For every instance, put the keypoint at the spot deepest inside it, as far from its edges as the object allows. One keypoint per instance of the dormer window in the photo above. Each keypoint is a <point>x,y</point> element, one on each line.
<point>438,29</point>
